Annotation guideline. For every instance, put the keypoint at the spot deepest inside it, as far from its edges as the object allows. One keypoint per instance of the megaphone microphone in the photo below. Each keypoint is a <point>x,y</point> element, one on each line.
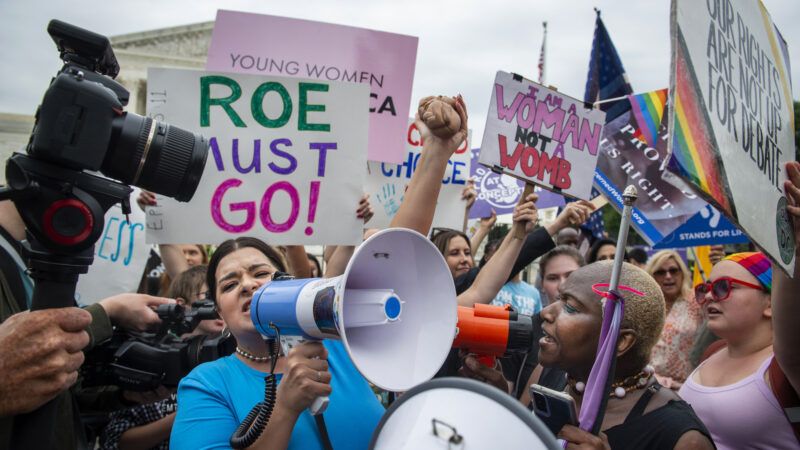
<point>307,311</point>
<point>394,309</point>
<point>490,332</point>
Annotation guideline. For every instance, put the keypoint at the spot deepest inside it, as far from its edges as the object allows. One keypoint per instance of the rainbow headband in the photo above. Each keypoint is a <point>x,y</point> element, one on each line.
<point>757,264</point>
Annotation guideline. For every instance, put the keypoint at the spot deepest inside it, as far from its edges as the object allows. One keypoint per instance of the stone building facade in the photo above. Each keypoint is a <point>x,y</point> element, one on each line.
<point>176,47</point>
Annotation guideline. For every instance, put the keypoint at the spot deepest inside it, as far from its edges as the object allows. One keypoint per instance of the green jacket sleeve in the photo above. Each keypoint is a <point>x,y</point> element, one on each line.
<point>100,329</point>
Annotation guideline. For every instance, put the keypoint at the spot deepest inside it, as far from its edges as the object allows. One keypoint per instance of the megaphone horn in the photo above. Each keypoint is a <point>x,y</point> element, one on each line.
<point>491,331</point>
<point>394,309</point>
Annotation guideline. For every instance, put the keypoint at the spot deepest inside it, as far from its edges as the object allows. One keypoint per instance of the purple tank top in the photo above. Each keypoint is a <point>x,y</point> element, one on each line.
<point>742,415</point>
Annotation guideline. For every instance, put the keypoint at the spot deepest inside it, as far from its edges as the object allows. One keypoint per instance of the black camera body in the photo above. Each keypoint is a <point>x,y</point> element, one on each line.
<point>81,128</point>
<point>145,361</point>
<point>81,123</point>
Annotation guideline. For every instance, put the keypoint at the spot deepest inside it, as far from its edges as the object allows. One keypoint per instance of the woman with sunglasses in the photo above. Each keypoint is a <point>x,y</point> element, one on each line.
<point>730,390</point>
<point>670,356</point>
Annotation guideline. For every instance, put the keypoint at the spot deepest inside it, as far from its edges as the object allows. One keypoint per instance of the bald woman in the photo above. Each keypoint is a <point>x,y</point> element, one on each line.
<point>639,413</point>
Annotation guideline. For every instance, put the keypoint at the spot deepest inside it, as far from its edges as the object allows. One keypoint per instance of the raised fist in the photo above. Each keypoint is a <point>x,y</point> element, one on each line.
<point>440,115</point>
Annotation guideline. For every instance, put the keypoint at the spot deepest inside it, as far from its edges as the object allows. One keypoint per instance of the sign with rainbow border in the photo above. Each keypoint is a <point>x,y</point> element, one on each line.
<point>731,127</point>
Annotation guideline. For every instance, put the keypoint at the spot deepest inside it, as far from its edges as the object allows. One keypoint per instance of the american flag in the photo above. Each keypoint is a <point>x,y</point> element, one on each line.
<point>607,78</point>
<point>542,54</point>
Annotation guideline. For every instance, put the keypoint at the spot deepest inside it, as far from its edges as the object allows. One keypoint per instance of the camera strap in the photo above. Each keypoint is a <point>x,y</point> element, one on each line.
<point>323,432</point>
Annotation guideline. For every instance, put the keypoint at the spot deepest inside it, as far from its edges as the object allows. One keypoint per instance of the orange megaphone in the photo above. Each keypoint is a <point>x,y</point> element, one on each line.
<point>490,331</point>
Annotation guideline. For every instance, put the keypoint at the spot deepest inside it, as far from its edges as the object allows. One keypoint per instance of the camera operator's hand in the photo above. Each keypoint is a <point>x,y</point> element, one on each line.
<point>134,311</point>
<point>41,353</point>
<point>305,377</point>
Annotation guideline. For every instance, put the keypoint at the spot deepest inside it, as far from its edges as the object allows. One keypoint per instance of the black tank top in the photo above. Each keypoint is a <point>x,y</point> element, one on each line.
<point>659,429</point>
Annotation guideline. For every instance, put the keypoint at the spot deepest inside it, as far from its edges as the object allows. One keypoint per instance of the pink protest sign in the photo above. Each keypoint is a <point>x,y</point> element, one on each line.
<point>279,46</point>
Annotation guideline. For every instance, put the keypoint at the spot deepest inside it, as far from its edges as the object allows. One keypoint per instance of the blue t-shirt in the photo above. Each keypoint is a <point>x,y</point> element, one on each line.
<point>216,396</point>
<point>523,297</point>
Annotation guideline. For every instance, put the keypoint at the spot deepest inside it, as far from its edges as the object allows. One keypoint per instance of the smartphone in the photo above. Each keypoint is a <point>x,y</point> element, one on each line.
<point>554,408</point>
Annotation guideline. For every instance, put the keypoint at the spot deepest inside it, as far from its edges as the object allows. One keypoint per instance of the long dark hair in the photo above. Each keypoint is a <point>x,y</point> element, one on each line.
<point>230,246</point>
<point>441,238</point>
<point>592,255</point>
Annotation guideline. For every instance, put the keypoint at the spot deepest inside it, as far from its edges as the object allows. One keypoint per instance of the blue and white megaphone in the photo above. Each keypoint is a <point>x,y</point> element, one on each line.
<point>394,309</point>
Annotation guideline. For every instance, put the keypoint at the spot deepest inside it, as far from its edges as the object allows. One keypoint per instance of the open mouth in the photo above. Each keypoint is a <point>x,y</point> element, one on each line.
<point>546,338</point>
<point>712,310</point>
<point>246,305</point>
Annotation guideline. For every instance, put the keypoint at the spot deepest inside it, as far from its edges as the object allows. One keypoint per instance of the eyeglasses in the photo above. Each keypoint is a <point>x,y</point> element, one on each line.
<point>673,271</point>
<point>720,289</point>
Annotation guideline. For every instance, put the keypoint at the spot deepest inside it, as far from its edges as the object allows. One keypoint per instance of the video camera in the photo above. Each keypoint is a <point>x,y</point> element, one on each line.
<point>144,361</point>
<point>80,127</point>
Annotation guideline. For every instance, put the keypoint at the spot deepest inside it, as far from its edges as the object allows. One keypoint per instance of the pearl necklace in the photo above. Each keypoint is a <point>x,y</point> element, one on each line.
<point>621,388</point>
<point>250,356</point>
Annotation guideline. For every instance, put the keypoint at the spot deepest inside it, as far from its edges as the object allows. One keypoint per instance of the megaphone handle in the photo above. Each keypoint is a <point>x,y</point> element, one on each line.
<point>319,405</point>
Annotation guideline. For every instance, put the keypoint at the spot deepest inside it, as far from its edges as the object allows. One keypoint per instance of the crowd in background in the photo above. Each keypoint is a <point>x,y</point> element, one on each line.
<point>697,366</point>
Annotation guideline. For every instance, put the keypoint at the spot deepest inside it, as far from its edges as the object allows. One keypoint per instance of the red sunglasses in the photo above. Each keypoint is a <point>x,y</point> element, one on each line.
<point>720,289</point>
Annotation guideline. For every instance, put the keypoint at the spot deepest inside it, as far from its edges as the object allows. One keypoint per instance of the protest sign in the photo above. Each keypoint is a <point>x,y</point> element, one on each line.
<point>279,46</point>
<point>732,127</point>
<point>541,136</point>
<point>701,269</point>
<point>120,256</point>
<point>633,151</point>
<point>386,184</point>
<point>286,158</point>
<point>500,192</point>
<point>707,227</point>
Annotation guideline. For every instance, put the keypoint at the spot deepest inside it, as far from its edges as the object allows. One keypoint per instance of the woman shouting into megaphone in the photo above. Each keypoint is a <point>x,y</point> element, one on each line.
<point>216,397</point>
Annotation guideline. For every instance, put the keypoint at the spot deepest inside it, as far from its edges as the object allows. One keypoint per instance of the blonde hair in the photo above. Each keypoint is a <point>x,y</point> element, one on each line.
<point>644,315</point>
<point>660,258</point>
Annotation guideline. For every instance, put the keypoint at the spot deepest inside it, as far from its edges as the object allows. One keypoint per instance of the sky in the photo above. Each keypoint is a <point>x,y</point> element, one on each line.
<point>462,44</point>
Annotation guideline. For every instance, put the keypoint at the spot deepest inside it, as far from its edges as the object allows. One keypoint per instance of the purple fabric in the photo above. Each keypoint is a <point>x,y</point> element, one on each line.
<point>613,311</point>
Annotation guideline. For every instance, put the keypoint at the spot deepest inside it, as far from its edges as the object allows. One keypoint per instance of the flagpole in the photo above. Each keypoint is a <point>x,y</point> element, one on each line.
<point>609,100</point>
<point>543,54</point>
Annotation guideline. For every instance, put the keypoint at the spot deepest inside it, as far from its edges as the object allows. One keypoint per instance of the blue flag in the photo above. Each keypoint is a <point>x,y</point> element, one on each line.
<point>607,78</point>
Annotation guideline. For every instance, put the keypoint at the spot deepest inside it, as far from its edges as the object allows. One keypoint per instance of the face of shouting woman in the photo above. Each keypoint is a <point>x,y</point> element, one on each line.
<point>571,327</point>
<point>238,276</point>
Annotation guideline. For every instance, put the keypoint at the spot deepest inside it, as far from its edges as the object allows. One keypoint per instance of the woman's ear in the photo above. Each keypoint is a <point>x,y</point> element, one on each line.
<point>180,301</point>
<point>768,306</point>
<point>627,339</point>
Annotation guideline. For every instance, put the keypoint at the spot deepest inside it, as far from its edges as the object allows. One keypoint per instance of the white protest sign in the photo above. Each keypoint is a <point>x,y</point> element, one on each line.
<point>286,157</point>
<point>541,136</point>
<point>386,184</point>
<point>120,256</point>
<point>732,127</point>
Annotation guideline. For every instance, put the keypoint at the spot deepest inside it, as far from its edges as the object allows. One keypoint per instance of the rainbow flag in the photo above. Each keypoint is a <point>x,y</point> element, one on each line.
<point>693,143</point>
<point>648,109</point>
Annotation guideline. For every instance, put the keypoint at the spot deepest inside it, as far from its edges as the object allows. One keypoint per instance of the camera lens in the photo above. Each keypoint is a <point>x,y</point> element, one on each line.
<point>540,401</point>
<point>155,156</point>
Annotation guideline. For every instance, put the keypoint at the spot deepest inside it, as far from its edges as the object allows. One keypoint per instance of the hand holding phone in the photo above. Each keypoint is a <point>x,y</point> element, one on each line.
<point>554,408</point>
